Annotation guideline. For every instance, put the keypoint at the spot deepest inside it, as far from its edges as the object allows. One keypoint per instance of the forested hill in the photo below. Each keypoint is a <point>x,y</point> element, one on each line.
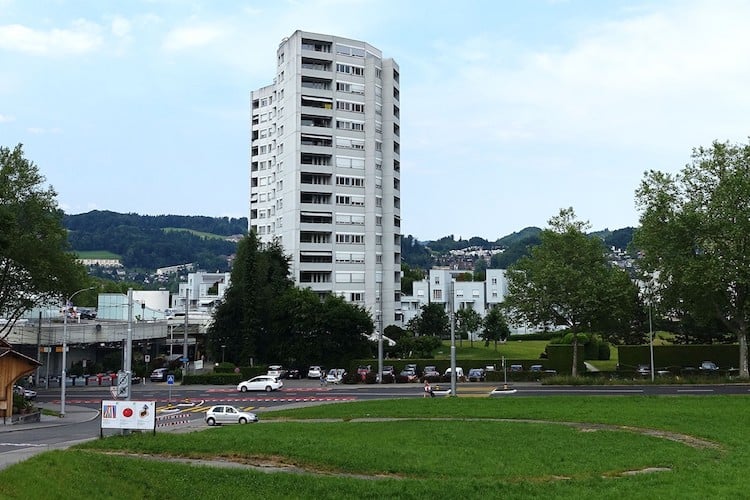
<point>98,220</point>
<point>149,242</point>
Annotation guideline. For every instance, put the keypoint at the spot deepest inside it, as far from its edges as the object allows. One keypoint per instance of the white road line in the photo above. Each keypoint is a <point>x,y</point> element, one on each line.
<point>695,390</point>
<point>25,445</point>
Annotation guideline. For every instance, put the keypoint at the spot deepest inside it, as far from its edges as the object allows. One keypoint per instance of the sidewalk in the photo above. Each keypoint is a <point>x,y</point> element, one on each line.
<point>73,415</point>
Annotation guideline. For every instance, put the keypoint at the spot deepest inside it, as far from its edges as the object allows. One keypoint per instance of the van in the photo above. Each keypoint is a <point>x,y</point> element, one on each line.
<point>459,373</point>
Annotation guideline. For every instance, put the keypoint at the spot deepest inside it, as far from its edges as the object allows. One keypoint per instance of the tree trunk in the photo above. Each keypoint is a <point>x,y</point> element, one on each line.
<point>574,369</point>
<point>742,336</point>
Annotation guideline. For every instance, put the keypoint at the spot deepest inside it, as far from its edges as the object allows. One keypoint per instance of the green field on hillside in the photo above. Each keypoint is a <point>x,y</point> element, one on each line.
<point>196,233</point>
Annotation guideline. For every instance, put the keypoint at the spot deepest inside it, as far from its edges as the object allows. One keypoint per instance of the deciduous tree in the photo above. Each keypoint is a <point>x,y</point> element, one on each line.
<point>566,280</point>
<point>695,236</point>
<point>35,265</point>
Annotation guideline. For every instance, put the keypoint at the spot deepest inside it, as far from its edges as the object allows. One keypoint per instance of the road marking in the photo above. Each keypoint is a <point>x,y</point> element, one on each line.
<point>695,390</point>
<point>25,445</point>
<point>542,391</point>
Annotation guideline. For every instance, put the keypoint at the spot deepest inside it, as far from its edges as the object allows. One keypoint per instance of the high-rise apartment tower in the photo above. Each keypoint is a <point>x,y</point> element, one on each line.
<point>325,170</point>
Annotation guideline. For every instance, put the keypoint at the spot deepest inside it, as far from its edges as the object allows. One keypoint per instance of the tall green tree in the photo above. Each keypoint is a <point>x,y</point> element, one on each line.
<point>695,235</point>
<point>432,321</point>
<point>468,321</point>
<point>495,326</point>
<point>566,280</point>
<point>241,322</point>
<point>35,265</point>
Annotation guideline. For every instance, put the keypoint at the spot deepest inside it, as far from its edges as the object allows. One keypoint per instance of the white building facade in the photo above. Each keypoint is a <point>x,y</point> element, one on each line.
<point>325,169</point>
<point>441,287</point>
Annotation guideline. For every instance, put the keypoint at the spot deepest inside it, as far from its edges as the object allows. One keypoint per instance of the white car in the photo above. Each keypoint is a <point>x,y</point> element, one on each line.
<point>26,393</point>
<point>261,383</point>
<point>277,371</point>
<point>224,414</point>
<point>335,375</point>
<point>314,372</point>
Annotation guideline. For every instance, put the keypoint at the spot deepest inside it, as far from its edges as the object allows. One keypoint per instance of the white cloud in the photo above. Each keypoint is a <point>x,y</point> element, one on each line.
<point>190,37</point>
<point>82,37</point>
<point>120,26</point>
<point>6,118</point>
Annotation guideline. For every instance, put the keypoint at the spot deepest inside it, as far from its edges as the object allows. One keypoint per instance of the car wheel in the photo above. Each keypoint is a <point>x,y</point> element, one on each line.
<point>243,389</point>
<point>210,421</point>
<point>243,420</point>
<point>268,388</point>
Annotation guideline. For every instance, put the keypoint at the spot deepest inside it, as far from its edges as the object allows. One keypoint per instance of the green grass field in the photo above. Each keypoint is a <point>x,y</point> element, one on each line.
<point>551,447</point>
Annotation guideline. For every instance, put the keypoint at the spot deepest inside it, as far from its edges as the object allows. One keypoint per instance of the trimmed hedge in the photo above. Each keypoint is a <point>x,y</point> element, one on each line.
<point>724,355</point>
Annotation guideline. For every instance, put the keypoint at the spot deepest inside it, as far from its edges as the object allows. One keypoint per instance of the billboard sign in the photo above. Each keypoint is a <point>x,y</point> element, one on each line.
<point>140,415</point>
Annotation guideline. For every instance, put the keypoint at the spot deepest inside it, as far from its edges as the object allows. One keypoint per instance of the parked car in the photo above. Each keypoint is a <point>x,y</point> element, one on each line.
<point>261,383</point>
<point>225,414</point>
<point>516,368</point>
<point>431,371</point>
<point>476,375</point>
<point>363,370</point>
<point>412,366</point>
<point>159,375</point>
<point>643,370</point>
<point>459,373</point>
<point>276,371</point>
<point>28,394</point>
<point>409,374</point>
<point>708,367</point>
<point>536,368</point>
<point>293,373</point>
<point>335,375</point>
<point>314,372</point>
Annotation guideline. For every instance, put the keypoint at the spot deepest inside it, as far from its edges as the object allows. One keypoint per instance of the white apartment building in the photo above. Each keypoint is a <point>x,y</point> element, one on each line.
<point>325,169</point>
<point>441,287</point>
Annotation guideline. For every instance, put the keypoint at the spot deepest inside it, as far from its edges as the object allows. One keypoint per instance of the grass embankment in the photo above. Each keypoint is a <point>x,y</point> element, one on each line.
<point>444,448</point>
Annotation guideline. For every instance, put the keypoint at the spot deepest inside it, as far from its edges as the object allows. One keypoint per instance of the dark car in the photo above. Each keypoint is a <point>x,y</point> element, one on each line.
<point>708,367</point>
<point>476,375</point>
<point>87,314</point>
<point>643,370</point>
<point>409,375</point>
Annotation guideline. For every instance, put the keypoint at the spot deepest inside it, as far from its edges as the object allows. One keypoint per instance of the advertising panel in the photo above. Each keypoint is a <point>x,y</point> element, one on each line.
<point>128,415</point>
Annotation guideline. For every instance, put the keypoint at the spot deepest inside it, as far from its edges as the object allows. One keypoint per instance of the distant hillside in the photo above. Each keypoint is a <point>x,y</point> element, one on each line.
<point>149,242</point>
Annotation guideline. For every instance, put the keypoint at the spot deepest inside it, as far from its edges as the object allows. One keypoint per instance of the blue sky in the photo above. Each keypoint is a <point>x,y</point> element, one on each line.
<point>510,110</point>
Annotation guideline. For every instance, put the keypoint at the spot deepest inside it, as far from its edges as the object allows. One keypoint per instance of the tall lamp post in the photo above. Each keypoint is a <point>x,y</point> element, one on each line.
<point>453,338</point>
<point>63,375</point>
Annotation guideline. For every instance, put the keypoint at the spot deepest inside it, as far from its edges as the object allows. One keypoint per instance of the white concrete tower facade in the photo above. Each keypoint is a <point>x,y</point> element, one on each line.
<point>325,169</point>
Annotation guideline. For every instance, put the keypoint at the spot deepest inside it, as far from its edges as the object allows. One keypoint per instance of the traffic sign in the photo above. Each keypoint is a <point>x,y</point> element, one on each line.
<point>170,379</point>
<point>123,384</point>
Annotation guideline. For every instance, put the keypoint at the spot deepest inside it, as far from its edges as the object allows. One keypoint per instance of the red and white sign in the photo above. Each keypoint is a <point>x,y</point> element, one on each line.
<point>128,415</point>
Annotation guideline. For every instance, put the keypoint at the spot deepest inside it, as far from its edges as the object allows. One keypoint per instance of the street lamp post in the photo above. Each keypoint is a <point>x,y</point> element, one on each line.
<point>453,338</point>
<point>223,346</point>
<point>63,374</point>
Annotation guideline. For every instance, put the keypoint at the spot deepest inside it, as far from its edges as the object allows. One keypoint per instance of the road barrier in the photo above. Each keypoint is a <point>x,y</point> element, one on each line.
<point>170,420</point>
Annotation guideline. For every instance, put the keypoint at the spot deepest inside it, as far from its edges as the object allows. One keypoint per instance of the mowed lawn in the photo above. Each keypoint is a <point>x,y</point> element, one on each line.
<point>506,447</point>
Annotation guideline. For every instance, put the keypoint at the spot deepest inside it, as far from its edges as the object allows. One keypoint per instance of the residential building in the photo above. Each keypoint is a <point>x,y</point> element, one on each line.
<point>325,169</point>
<point>441,286</point>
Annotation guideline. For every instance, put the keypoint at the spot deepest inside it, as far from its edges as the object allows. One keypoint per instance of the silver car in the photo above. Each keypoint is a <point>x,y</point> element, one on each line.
<point>225,414</point>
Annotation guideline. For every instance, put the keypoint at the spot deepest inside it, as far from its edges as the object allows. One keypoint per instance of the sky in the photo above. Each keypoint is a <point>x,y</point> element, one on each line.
<point>510,110</point>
